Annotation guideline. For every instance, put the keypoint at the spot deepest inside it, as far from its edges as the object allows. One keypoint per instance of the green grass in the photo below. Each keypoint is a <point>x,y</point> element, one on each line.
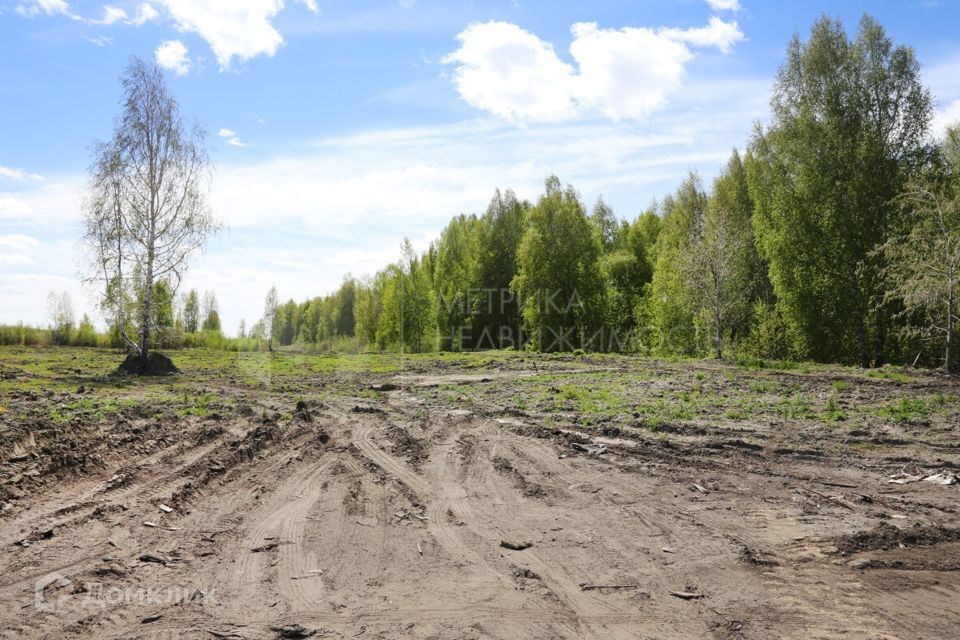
<point>906,410</point>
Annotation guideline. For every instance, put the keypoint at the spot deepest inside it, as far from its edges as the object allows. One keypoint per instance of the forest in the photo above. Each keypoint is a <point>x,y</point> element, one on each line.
<point>833,236</point>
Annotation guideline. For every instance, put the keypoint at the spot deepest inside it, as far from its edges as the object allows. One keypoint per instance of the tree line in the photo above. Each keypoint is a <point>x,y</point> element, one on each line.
<point>833,236</point>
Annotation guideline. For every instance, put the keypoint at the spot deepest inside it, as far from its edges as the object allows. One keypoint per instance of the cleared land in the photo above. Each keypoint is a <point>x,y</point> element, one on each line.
<point>474,496</point>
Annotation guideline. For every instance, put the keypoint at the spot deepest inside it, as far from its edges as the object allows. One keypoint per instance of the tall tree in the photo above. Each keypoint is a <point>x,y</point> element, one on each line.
<point>718,259</point>
<point>669,308</point>
<point>923,263</point>
<point>146,213</point>
<point>558,273</point>
<point>850,119</point>
<point>496,314</point>
<point>453,280</point>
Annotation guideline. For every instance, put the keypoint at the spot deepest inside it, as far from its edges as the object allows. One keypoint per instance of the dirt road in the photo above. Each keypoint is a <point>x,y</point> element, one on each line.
<point>398,517</point>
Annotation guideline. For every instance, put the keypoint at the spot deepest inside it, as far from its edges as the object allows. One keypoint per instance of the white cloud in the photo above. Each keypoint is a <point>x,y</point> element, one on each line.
<point>231,138</point>
<point>622,73</point>
<point>719,34</point>
<point>18,242</point>
<point>626,73</point>
<point>238,29</point>
<point>172,55</point>
<point>50,202</point>
<point>101,40</point>
<point>111,15</point>
<point>18,174</point>
<point>145,13</point>
<point>948,116</point>
<point>512,73</point>
<point>14,258</point>
<point>724,5</point>
<point>311,5</point>
<point>46,7</point>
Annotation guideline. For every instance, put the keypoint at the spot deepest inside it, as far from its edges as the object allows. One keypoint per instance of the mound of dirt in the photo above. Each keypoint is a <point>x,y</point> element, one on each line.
<point>886,536</point>
<point>157,364</point>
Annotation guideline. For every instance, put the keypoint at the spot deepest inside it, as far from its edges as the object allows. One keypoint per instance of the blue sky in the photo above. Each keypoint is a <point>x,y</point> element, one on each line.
<point>339,127</point>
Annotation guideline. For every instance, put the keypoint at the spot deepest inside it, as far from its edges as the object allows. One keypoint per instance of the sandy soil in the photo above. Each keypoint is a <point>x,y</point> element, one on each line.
<point>400,516</point>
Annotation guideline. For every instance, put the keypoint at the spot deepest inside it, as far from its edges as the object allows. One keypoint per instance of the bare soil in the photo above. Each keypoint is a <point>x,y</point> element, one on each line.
<point>433,500</point>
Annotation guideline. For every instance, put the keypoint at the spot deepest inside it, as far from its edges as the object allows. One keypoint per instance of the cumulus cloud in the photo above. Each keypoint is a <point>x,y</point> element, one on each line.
<point>512,73</point>
<point>172,55</point>
<point>622,73</point>
<point>948,116</point>
<point>235,29</point>
<point>724,5</point>
<point>238,29</point>
<point>145,13</point>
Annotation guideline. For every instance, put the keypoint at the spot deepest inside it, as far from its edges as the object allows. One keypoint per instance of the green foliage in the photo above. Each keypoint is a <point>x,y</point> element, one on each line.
<point>558,275</point>
<point>849,122</point>
<point>454,281</point>
<point>497,318</point>
<point>191,312</point>
<point>669,311</point>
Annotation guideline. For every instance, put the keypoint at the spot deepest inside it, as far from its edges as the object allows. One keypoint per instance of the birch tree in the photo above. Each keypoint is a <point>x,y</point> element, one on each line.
<point>146,212</point>
<point>270,304</point>
<point>923,271</point>
<point>716,268</point>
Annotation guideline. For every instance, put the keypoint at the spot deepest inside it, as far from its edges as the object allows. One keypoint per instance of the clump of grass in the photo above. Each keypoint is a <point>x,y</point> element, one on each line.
<point>840,385</point>
<point>796,407</point>
<point>833,412</point>
<point>200,405</point>
<point>906,410</point>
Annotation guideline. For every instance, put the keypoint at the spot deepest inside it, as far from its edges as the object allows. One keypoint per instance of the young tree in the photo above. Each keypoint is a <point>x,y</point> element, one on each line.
<point>161,313</point>
<point>923,264</point>
<point>191,312</point>
<point>270,305</point>
<point>146,212</point>
<point>211,312</point>
<point>86,333</point>
<point>606,226</point>
<point>60,308</point>
<point>716,267</point>
<point>669,308</point>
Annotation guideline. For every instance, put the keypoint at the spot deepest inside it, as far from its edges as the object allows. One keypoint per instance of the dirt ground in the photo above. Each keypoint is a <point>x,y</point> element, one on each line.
<point>476,496</point>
